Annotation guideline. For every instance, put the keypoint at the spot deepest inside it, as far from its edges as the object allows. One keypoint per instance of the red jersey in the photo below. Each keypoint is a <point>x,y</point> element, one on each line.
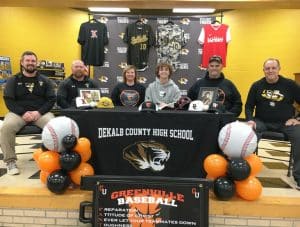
<point>214,39</point>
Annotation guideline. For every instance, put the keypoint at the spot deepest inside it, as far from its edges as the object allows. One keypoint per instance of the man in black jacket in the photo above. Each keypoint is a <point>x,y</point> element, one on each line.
<point>228,97</point>
<point>273,97</point>
<point>68,89</point>
<point>29,97</point>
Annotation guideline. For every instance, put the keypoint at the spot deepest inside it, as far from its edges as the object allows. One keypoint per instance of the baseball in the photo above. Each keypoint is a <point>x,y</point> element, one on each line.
<point>56,129</point>
<point>237,140</point>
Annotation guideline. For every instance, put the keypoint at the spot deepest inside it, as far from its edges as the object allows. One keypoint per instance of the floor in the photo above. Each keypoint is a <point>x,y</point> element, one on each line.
<point>273,176</point>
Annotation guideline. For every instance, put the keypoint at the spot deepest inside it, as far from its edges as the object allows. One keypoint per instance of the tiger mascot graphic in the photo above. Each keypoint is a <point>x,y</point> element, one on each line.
<point>147,155</point>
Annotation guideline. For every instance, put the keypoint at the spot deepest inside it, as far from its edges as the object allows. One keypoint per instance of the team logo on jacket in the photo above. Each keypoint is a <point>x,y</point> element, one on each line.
<point>29,86</point>
<point>162,93</point>
<point>273,95</point>
<point>147,155</point>
<point>103,79</point>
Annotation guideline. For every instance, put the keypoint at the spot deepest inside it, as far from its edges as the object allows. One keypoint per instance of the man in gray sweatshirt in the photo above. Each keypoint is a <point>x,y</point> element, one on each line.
<point>163,91</point>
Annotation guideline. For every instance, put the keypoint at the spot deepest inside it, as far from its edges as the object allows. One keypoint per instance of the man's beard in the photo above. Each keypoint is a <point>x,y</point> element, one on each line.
<point>78,75</point>
<point>29,69</point>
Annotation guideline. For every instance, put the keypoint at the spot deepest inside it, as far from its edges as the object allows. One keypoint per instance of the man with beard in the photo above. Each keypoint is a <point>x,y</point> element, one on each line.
<point>68,89</point>
<point>29,97</point>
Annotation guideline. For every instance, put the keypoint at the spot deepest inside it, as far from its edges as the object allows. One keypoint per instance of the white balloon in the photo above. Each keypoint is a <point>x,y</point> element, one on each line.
<point>56,129</point>
<point>237,140</point>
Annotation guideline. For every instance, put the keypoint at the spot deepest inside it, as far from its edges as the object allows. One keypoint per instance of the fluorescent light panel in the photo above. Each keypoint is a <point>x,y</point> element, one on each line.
<point>109,9</point>
<point>193,10</point>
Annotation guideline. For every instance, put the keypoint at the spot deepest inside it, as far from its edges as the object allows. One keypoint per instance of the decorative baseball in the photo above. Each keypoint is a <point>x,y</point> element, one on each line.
<point>56,129</point>
<point>237,140</point>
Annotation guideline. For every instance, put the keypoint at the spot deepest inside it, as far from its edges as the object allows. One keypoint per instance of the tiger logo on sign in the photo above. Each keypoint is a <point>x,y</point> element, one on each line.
<point>147,155</point>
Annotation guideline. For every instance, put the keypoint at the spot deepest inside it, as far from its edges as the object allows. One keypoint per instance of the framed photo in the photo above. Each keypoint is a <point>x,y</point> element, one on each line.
<point>208,95</point>
<point>88,95</point>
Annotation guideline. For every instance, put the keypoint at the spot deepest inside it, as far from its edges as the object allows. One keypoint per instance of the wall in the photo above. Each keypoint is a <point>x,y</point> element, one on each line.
<point>51,33</point>
<point>256,35</point>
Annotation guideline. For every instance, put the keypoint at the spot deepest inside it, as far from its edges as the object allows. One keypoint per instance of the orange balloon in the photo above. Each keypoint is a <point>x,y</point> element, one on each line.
<point>49,161</point>
<point>255,164</point>
<point>43,176</point>
<point>36,154</point>
<point>215,165</point>
<point>249,189</point>
<point>83,147</point>
<point>83,169</point>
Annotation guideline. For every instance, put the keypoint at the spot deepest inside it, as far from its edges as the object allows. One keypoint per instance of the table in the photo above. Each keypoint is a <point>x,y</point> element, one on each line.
<point>165,143</point>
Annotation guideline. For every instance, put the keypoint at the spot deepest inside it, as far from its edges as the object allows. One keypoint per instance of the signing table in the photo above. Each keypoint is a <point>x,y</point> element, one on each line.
<point>165,143</point>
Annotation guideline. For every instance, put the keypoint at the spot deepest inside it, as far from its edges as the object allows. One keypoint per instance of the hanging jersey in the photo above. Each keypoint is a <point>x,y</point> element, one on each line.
<point>170,40</point>
<point>92,38</point>
<point>214,39</point>
<point>140,38</point>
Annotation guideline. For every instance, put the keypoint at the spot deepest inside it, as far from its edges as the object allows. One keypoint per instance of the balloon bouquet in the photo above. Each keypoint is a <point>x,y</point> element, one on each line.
<point>235,172</point>
<point>63,156</point>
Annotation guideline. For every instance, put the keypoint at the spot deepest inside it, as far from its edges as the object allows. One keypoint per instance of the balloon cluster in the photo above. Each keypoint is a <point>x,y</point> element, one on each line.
<point>59,169</point>
<point>235,171</point>
<point>234,176</point>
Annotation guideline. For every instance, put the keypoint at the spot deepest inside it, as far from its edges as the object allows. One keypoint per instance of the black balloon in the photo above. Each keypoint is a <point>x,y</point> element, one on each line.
<point>224,188</point>
<point>58,181</point>
<point>69,160</point>
<point>238,169</point>
<point>69,141</point>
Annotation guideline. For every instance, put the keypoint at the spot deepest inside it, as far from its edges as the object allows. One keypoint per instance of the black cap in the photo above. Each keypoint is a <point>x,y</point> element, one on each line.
<point>148,106</point>
<point>215,58</point>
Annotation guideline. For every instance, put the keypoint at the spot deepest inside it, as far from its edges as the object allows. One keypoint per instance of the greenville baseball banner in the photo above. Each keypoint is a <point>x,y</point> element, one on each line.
<point>151,202</point>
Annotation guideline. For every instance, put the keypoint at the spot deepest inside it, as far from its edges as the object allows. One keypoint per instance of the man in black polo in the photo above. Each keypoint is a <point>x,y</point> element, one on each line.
<point>273,97</point>
<point>68,89</point>
<point>29,97</point>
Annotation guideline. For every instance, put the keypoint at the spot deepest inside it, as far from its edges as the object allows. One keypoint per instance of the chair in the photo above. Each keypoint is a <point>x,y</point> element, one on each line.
<point>278,136</point>
<point>29,129</point>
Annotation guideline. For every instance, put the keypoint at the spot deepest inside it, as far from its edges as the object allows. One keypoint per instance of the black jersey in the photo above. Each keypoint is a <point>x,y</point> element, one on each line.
<point>92,38</point>
<point>140,38</point>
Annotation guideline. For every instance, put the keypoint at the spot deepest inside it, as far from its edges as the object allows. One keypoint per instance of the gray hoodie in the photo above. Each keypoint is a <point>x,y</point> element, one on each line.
<point>162,93</point>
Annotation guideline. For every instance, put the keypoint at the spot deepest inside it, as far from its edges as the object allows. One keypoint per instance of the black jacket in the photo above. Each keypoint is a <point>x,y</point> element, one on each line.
<point>23,94</point>
<point>68,91</point>
<point>272,102</point>
<point>232,99</point>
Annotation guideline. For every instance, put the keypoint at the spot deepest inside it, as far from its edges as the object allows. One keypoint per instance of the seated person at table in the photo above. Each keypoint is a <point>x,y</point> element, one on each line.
<point>273,97</point>
<point>163,91</point>
<point>68,88</point>
<point>228,96</point>
<point>128,93</point>
<point>29,96</point>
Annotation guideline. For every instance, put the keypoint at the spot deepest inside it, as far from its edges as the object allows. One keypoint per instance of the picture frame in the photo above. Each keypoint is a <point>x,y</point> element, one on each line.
<point>87,96</point>
<point>208,95</point>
